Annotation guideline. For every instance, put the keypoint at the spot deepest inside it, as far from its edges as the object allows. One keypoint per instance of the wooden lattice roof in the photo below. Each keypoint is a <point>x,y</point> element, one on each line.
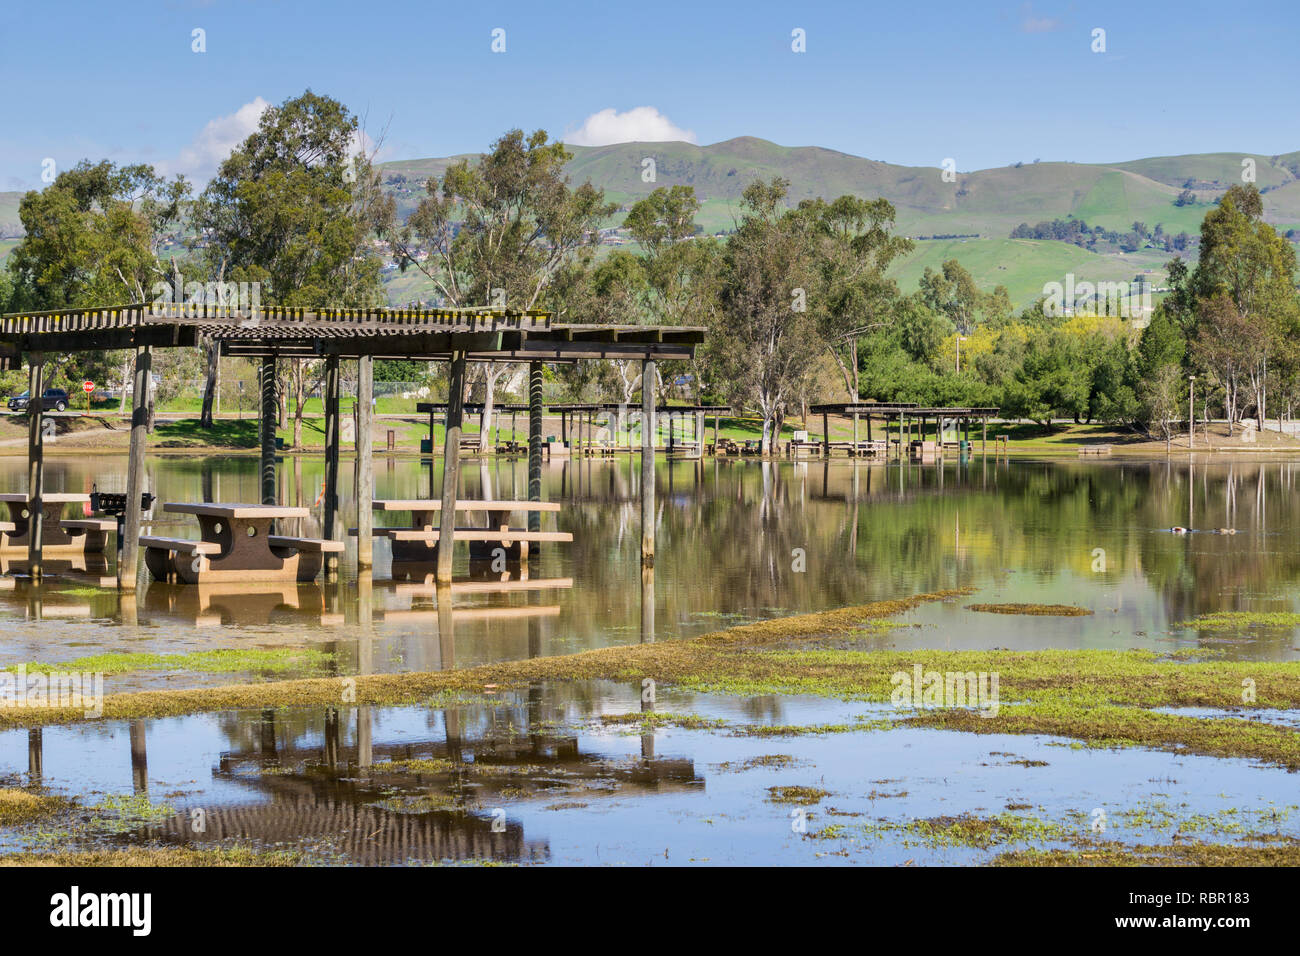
<point>484,334</point>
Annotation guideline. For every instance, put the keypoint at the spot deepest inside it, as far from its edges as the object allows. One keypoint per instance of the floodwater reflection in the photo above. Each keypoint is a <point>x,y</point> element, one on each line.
<point>736,540</point>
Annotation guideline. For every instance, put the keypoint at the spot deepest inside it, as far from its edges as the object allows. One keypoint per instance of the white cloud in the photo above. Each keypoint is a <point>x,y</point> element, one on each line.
<point>641,124</point>
<point>200,159</point>
<point>1032,23</point>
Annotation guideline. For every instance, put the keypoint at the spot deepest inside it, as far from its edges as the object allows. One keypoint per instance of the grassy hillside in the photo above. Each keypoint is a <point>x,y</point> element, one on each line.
<point>989,202</point>
<point>1024,265</point>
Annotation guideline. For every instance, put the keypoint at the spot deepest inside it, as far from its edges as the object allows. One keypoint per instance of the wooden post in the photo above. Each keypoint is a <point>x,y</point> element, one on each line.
<point>332,441</point>
<point>266,388</point>
<point>826,435</point>
<point>451,467</point>
<point>855,430</point>
<point>135,477</point>
<point>534,442</point>
<point>984,436</point>
<point>365,464</point>
<point>715,433</point>
<point>699,434</point>
<point>647,463</point>
<point>35,463</point>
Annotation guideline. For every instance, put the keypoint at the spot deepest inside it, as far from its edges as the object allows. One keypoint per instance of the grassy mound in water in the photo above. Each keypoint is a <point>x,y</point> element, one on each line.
<point>1099,697</point>
<point>1051,610</point>
<point>21,806</point>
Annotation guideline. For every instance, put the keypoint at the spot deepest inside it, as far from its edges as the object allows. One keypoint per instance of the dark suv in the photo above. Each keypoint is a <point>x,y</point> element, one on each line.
<point>54,399</point>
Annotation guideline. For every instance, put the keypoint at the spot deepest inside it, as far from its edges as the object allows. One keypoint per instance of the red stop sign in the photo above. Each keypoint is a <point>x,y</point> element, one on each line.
<point>87,387</point>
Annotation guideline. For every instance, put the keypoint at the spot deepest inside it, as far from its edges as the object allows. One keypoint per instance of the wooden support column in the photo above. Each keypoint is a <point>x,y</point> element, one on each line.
<point>135,477</point>
<point>826,435</point>
<point>534,442</point>
<point>855,430</point>
<point>266,426</point>
<point>647,463</point>
<point>35,463</point>
<point>451,467</point>
<point>333,439</point>
<point>699,434</point>
<point>365,464</point>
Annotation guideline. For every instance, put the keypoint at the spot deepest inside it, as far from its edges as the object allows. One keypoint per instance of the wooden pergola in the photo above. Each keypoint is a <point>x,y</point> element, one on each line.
<point>905,414</point>
<point>334,335</point>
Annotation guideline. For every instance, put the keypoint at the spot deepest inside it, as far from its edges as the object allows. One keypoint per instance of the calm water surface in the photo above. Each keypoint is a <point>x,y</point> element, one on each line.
<point>555,774</point>
<point>736,541</point>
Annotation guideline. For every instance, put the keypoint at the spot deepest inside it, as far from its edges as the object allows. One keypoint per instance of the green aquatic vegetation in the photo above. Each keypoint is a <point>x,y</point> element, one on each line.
<point>121,813</point>
<point>1110,726</point>
<point>802,796</point>
<point>1242,620</point>
<point>1053,610</point>
<point>268,660</point>
<point>767,761</point>
<point>809,730</point>
<point>965,830</point>
<point>1113,853</point>
<point>650,719</point>
<point>1095,697</point>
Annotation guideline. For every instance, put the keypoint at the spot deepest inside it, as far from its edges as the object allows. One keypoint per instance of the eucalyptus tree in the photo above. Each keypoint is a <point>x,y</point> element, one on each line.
<point>500,229</point>
<point>96,235</point>
<point>1247,315</point>
<point>767,339</point>
<point>296,208</point>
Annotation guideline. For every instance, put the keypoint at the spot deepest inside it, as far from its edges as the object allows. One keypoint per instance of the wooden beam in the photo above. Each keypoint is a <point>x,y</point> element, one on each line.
<point>648,463</point>
<point>451,467</point>
<point>135,474</point>
<point>266,430</point>
<point>534,442</point>
<point>365,481</point>
<point>333,439</point>
<point>35,463</point>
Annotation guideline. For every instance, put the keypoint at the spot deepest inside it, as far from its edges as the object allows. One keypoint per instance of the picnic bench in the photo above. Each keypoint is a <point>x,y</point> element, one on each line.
<point>58,536</point>
<point>237,544</point>
<point>418,541</point>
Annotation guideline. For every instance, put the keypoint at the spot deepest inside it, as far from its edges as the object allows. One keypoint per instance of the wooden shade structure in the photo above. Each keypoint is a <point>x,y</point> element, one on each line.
<point>456,336</point>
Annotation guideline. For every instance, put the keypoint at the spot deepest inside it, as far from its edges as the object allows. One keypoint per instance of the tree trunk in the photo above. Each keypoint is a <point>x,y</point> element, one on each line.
<point>212,383</point>
<point>299,379</point>
<point>126,381</point>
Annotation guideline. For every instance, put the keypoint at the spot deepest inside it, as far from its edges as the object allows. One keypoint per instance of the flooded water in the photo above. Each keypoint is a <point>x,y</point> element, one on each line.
<point>575,772</point>
<point>559,774</point>
<point>736,541</point>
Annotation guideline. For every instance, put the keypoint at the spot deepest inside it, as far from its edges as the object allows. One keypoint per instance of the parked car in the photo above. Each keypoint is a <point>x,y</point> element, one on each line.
<point>55,399</point>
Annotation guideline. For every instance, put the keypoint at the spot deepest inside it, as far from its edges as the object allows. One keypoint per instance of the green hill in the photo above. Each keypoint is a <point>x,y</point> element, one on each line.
<point>988,202</point>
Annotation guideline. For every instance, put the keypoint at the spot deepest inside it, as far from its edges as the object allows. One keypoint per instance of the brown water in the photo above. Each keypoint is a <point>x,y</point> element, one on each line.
<point>736,541</point>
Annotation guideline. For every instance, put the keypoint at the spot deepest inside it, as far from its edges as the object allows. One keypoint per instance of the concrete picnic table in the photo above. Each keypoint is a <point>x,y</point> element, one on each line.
<point>419,541</point>
<point>237,545</point>
<point>58,536</point>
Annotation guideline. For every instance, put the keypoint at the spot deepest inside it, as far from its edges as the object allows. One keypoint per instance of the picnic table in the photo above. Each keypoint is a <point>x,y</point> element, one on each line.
<point>237,544</point>
<point>418,541</point>
<point>59,535</point>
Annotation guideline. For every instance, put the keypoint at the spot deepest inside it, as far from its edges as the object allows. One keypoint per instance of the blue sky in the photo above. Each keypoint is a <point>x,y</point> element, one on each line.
<point>987,83</point>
